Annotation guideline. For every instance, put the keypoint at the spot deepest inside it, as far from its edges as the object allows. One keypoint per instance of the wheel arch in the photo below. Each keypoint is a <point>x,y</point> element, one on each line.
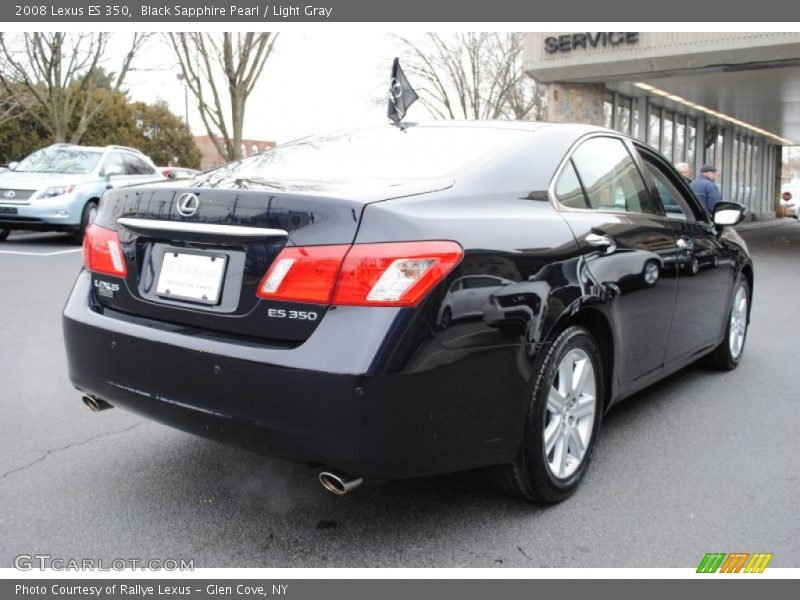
<point>599,324</point>
<point>747,271</point>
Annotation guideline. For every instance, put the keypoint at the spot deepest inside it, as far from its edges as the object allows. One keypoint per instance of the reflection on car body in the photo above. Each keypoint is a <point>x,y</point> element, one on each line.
<point>466,297</point>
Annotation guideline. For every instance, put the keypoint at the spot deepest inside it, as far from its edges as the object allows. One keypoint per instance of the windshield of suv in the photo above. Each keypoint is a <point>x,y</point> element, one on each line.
<point>386,153</point>
<point>69,160</point>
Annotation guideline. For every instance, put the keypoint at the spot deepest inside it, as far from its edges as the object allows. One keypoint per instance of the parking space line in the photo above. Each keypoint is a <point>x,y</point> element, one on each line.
<point>41,253</point>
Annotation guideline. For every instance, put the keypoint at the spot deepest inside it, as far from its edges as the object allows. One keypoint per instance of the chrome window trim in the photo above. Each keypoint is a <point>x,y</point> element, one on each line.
<point>551,189</point>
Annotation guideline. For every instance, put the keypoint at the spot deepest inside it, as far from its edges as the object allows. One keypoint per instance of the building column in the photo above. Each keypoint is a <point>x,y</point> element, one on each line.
<point>576,103</point>
<point>727,163</point>
<point>776,181</point>
<point>639,123</point>
<point>699,145</point>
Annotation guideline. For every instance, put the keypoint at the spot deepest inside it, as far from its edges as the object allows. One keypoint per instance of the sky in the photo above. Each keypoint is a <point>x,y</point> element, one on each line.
<point>312,83</point>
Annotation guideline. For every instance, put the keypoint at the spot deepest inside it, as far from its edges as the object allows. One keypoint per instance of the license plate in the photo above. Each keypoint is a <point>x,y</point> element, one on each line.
<point>191,276</point>
<point>8,210</point>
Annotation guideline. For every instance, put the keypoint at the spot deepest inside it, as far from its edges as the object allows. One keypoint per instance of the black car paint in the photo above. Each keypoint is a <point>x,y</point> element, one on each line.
<point>385,392</point>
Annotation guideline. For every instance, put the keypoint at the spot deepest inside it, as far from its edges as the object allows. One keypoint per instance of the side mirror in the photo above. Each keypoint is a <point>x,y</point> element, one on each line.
<point>113,171</point>
<point>728,213</point>
<point>13,164</point>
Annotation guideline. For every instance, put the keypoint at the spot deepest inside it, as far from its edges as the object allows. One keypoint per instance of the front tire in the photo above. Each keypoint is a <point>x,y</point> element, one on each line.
<point>87,216</point>
<point>4,233</point>
<point>562,424</point>
<point>728,354</point>
<point>447,318</point>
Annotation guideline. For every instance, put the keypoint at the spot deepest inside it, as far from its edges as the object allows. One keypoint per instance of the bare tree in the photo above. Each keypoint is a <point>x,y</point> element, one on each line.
<point>55,71</point>
<point>240,59</point>
<point>473,76</point>
<point>9,108</point>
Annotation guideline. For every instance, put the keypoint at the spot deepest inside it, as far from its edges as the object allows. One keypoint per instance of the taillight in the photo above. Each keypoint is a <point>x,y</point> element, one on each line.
<point>390,274</point>
<point>303,274</point>
<point>102,252</point>
<point>394,274</point>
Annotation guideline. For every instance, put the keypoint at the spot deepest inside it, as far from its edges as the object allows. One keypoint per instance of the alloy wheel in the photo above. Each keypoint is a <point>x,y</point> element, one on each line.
<point>738,322</point>
<point>571,406</point>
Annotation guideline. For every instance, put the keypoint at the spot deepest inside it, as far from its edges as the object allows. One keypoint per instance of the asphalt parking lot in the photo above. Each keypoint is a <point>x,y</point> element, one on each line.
<point>704,462</point>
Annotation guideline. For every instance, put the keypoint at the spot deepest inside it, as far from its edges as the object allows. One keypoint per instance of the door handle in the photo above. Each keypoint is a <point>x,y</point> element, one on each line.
<point>601,240</point>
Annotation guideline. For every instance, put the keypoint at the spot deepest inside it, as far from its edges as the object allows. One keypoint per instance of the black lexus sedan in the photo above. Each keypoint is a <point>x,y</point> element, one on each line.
<point>291,302</point>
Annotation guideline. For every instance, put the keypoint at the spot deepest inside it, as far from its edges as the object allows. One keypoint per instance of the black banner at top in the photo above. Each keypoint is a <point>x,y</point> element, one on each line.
<point>480,11</point>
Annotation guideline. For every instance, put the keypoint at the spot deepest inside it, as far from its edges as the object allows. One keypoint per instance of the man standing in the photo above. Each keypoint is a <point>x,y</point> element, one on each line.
<point>685,170</point>
<point>705,189</point>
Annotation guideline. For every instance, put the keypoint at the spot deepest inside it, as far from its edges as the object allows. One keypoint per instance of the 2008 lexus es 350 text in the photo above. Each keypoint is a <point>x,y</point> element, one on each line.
<point>292,302</point>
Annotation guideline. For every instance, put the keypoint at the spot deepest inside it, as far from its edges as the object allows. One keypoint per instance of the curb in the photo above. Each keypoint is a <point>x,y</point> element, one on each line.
<point>751,225</point>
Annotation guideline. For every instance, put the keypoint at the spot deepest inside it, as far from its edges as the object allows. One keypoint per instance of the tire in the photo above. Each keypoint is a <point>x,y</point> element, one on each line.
<point>651,273</point>
<point>447,317</point>
<point>4,234</point>
<point>728,354</point>
<point>553,410</point>
<point>87,216</point>
<point>694,266</point>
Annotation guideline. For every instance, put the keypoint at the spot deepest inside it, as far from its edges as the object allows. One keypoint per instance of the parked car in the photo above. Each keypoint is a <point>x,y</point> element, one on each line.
<point>178,172</point>
<point>288,302</point>
<point>59,187</point>
<point>790,199</point>
<point>467,296</point>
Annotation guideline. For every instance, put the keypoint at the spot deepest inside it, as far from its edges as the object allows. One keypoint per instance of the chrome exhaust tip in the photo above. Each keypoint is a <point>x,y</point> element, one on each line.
<point>339,483</point>
<point>95,404</point>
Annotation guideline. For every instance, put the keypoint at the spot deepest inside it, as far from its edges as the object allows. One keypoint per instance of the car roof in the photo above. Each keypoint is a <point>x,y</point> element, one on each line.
<point>509,124</point>
<point>101,148</point>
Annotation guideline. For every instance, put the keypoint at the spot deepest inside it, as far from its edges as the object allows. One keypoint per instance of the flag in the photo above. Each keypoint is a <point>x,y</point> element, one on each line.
<point>401,94</point>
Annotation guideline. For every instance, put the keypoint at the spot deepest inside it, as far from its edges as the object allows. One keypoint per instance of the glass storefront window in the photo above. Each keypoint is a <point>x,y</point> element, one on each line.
<point>624,116</point>
<point>608,114</point>
<point>666,138</point>
<point>654,127</point>
<point>680,140</point>
<point>691,141</point>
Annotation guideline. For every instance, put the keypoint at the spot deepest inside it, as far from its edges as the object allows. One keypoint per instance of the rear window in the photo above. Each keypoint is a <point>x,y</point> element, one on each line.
<point>386,153</point>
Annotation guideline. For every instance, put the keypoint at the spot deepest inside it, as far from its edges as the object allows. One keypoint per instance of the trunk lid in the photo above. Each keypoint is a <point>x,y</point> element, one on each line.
<point>195,254</point>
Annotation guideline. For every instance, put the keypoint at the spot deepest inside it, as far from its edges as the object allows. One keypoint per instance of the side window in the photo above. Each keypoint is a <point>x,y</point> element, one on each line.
<point>137,166</point>
<point>568,189</point>
<point>610,177</point>
<point>115,160</point>
<point>675,202</point>
<point>669,196</point>
<point>485,282</point>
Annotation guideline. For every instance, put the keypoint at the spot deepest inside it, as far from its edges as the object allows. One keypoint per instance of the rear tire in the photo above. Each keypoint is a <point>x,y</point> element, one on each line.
<point>728,354</point>
<point>4,233</point>
<point>87,216</point>
<point>564,413</point>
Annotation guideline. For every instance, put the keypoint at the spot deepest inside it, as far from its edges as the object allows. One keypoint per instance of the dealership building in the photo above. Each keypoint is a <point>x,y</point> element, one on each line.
<point>728,99</point>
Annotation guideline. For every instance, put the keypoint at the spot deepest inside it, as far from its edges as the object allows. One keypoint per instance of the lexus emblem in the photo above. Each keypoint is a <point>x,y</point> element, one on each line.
<point>187,204</point>
<point>10,194</point>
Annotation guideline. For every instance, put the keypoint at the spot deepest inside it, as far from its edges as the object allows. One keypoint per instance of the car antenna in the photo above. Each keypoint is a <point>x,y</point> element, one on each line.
<point>401,96</point>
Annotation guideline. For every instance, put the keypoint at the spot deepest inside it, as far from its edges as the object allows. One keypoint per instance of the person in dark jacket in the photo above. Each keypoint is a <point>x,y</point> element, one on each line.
<point>705,189</point>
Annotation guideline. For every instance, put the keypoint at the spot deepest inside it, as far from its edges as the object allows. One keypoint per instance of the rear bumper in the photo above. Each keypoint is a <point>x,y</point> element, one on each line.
<point>384,400</point>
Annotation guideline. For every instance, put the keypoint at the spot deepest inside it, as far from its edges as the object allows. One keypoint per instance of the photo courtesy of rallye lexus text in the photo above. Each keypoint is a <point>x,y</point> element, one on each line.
<point>410,300</point>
